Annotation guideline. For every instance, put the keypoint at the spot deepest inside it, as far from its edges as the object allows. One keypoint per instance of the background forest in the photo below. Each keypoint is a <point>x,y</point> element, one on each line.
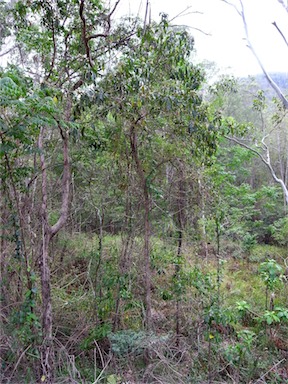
<point>143,206</point>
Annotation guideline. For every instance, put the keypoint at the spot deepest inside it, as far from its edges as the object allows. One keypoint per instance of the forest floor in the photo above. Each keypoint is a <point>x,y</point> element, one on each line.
<point>231,313</point>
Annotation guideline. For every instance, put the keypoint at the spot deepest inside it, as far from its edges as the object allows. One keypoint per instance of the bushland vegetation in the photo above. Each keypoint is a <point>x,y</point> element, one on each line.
<point>143,210</point>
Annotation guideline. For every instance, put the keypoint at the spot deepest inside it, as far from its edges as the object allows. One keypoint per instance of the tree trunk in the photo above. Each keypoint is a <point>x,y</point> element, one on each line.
<point>3,264</point>
<point>124,261</point>
<point>148,304</point>
<point>203,216</point>
<point>146,202</point>
<point>180,225</point>
<point>47,352</point>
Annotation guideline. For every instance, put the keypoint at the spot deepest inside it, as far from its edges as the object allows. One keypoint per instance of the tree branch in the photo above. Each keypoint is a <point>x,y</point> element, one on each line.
<point>283,4</point>
<point>65,187</point>
<point>281,33</point>
<point>196,29</point>
<point>84,33</point>
<point>272,83</point>
<point>185,13</point>
<point>113,9</point>
<point>266,74</point>
<point>260,380</point>
<point>44,177</point>
<point>235,140</point>
<point>266,162</point>
<point>54,51</point>
<point>86,38</point>
<point>146,16</point>
<point>234,6</point>
<point>8,51</point>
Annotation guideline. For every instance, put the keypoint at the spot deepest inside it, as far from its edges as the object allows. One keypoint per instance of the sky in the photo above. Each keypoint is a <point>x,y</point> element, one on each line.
<point>222,39</point>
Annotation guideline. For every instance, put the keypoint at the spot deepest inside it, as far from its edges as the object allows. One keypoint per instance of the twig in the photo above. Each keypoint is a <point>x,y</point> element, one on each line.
<point>266,373</point>
<point>102,372</point>
<point>18,362</point>
<point>281,33</point>
<point>113,9</point>
<point>6,52</point>
<point>232,5</point>
<point>282,3</point>
<point>196,29</point>
<point>267,162</point>
<point>100,353</point>
<point>182,13</point>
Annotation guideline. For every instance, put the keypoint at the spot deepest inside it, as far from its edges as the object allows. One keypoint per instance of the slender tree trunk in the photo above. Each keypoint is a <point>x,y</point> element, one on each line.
<point>3,264</point>
<point>180,225</point>
<point>148,303</point>
<point>97,298</point>
<point>146,202</point>
<point>218,235</point>
<point>127,243</point>
<point>47,351</point>
<point>177,273</point>
<point>203,216</point>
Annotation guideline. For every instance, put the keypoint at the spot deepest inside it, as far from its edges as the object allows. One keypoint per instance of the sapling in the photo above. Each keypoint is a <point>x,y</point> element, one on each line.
<point>272,275</point>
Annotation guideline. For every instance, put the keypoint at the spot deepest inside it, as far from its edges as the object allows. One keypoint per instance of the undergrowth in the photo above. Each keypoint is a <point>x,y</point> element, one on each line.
<point>226,334</point>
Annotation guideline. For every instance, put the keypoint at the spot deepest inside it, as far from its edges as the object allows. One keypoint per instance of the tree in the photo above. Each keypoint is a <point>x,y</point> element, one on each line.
<point>63,47</point>
<point>262,150</point>
<point>156,117</point>
<point>23,110</point>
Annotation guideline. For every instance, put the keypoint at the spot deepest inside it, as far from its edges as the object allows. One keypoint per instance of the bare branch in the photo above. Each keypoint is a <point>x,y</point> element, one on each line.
<point>234,6</point>
<point>267,162</point>
<point>196,29</point>
<point>281,33</point>
<point>18,361</point>
<point>84,32</point>
<point>260,380</point>
<point>272,83</point>
<point>65,187</point>
<point>86,38</point>
<point>185,13</point>
<point>114,8</point>
<point>6,52</point>
<point>263,142</point>
<point>283,4</point>
<point>96,36</point>
<point>247,147</point>
<point>146,16</point>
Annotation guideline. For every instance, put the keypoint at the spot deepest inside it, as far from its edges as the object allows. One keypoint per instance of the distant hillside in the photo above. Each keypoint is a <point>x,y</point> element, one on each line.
<point>280,78</point>
<point>259,82</point>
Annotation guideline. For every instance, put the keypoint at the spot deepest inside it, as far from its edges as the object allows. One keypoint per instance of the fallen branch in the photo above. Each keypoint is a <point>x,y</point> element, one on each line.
<point>271,369</point>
